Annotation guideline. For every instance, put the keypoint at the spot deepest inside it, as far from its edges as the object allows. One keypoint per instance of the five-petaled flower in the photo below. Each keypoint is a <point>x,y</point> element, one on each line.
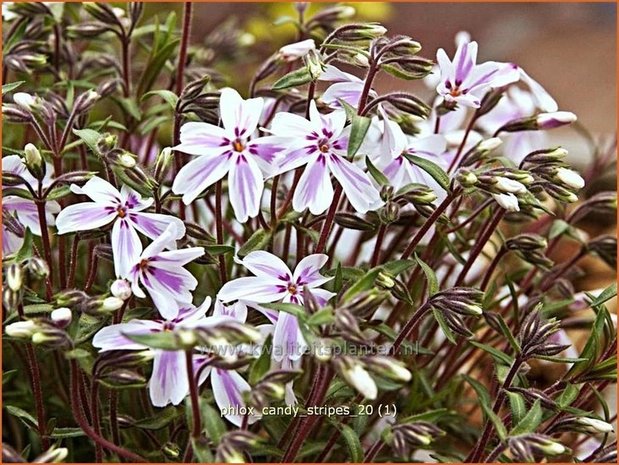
<point>228,150</point>
<point>169,382</point>
<point>321,144</point>
<point>162,274</point>
<point>273,282</point>
<point>463,81</point>
<point>126,210</point>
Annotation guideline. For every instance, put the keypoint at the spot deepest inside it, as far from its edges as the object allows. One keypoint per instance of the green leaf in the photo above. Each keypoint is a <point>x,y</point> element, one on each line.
<point>355,451</point>
<point>162,419</point>
<point>501,431</point>
<point>26,418</point>
<point>258,240</point>
<point>293,309</point>
<point>202,450</point>
<point>363,284</point>
<point>569,395</point>
<point>64,433</point>
<point>321,317</point>
<point>605,295</point>
<point>219,249</point>
<point>165,340</point>
<point>395,267</point>
<point>262,364</point>
<point>131,107</point>
<point>433,285</point>
<point>90,137</point>
<point>11,86</point>
<point>530,421</point>
<point>26,251</point>
<point>498,355</point>
<point>160,54</point>
<point>378,176</point>
<point>517,406</point>
<point>437,173</point>
<point>58,193</point>
<point>77,353</point>
<point>295,78</point>
<point>167,95</point>
<point>480,390</point>
<point>359,126</point>
<point>212,421</point>
<point>440,319</point>
<point>431,416</point>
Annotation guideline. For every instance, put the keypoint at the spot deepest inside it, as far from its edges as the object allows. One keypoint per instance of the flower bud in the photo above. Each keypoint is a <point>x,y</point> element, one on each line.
<point>163,162</point>
<point>294,51</point>
<point>390,213</point>
<point>357,376</point>
<point>527,241</point>
<point>402,46</point>
<point>570,178</point>
<point>22,329</point>
<point>86,101</point>
<point>466,178</point>
<point>408,103</point>
<point>24,101</point>
<point>555,119</point>
<point>34,161</point>
<point>187,339</point>
<point>14,277</point>
<point>62,317</point>
<point>507,185</point>
<point>111,304</point>
<point>50,337</point>
<point>606,248</point>
<point>388,367</point>
<point>507,201</point>
<point>359,32</point>
<point>314,64</point>
<point>546,156</point>
<point>14,114</point>
<point>52,455</point>
<point>593,425</point>
<point>121,289</point>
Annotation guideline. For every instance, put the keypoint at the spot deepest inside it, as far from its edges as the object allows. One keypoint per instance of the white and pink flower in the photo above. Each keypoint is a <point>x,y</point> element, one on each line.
<point>228,151</point>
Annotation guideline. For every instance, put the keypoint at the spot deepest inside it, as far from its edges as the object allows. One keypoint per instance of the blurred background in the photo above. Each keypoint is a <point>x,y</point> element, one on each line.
<point>568,47</point>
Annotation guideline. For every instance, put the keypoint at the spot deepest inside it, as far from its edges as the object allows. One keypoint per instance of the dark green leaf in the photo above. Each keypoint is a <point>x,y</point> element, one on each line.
<point>364,284</point>
<point>517,406</point>
<point>437,173</point>
<point>440,319</point>
<point>498,355</point>
<point>26,251</point>
<point>162,419</point>
<point>433,285</point>
<point>163,340</point>
<point>295,78</point>
<point>11,86</point>
<point>90,137</point>
<point>63,433</point>
<point>379,177</point>
<point>530,421</point>
<point>262,364</point>
<point>355,451</point>
<point>257,241</point>
<point>167,95</point>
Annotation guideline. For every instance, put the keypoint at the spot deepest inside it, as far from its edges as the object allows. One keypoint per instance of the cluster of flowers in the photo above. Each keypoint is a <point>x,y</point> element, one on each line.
<point>423,153</point>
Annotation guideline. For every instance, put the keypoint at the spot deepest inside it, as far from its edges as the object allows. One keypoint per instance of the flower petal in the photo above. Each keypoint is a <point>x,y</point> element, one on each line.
<point>126,247</point>
<point>99,190</point>
<point>252,289</point>
<point>236,311</point>
<point>201,139</point>
<point>314,190</point>
<point>307,271</point>
<point>288,342</point>
<point>266,264</point>
<point>199,174</point>
<point>245,187</point>
<point>360,192</point>
<point>133,200</point>
<point>167,240</point>
<point>168,382</point>
<point>228,387</point>
<point>238,115</point>
<point>85,216</point>
<point>113,337</point>
<point>153,224</point>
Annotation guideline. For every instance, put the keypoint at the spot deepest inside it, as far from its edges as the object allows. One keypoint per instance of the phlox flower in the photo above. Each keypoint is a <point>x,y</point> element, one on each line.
<point>169,382</point>
<point>321,144</point>
<point>228,150</point>
<point>125,209</point>
<point>274,282</point>
<point>161,273</point>
<point>396,146</point>
<point>24,210</point>
<point>464,81</point>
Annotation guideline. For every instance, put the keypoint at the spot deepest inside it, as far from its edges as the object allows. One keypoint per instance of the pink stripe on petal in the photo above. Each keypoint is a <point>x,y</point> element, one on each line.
<point>314,190</point>
<point>245,187</point>
<point>199,174</point>
<point>168,382</point>
<point>126,247</point>
<point>84,217</point>
<point>360,192</point>
<point>228,388</point>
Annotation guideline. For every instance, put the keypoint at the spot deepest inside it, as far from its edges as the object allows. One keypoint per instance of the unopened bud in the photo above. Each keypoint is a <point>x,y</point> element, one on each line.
<point>593,425</point>
<point>86,101</point>
<point>507,201</point>
<point>52,455</point>
<point>34,161</point>
<point>62,317</point>
<point>507,185</point>
<point>408,103</point>
<point>14,277</point>
<point>357,376</point>
<point>359,32</point>
<point>555,119</point>
<point>121,289</point>
<point>292,52</point>
<point>24,100</point>
<point>162,163</point>
<point>21,329</point>
<point>111,304</point>
<point>466,178</point>
<point>388,367</point>
<point>570,178</point>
